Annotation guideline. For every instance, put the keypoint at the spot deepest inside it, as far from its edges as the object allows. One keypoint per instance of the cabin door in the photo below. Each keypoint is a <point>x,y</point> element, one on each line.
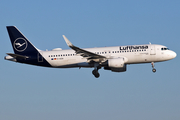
<point>152,50</point>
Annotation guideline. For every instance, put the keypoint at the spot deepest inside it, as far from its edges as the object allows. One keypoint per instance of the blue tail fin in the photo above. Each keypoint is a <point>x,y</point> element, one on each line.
<point>25,52</point>
<point>20,43</point>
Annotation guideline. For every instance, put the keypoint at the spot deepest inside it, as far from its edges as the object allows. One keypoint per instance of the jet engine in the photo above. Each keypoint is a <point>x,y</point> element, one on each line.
<point>116,64</point>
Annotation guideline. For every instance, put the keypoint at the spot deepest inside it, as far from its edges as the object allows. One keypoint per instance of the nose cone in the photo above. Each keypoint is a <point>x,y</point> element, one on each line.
<point>173,54</point>
<point>168,55</point>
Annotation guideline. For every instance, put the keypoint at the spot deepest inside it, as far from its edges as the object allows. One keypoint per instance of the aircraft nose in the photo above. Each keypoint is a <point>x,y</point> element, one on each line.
<point>170,55</point>
<point>173,54</point>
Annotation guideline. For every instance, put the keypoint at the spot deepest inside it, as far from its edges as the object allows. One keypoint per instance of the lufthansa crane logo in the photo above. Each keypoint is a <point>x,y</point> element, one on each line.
<point>20,44</point>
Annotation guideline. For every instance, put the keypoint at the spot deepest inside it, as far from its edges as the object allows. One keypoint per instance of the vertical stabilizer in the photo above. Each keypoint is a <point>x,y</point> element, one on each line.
<point>25,51</point>
<point>20,43</point>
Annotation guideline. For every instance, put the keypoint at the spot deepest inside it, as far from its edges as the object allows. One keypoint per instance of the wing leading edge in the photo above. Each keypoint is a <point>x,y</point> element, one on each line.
<point>84,53</point>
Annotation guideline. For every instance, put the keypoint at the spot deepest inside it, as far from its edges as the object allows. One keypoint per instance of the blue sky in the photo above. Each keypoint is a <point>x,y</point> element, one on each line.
<point>38,93</point>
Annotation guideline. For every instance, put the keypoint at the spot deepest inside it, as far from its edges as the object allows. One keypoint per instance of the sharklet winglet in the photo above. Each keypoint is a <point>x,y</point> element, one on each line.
<point>67,41</point>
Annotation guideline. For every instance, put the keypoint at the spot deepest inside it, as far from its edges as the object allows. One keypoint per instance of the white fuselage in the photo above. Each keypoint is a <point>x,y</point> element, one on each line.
<point>115,59</point>
<point>133,54</point>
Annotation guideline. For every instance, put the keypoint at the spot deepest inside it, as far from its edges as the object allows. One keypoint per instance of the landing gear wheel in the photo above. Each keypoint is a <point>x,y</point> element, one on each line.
<point>154,70</point>
<point>95,73</point>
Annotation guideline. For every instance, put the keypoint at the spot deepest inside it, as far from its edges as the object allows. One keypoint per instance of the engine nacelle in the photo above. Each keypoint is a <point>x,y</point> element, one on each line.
<point>116,62</point>
<point>116,69</point>
<point>119,69</point>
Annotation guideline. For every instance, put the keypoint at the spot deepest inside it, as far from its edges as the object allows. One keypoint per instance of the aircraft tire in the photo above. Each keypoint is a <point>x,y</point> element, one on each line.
<point>154,70</point>
<point>95,73</point>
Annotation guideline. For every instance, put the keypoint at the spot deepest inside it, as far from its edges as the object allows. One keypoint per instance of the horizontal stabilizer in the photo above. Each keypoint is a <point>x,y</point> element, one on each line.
<point>17,56</point>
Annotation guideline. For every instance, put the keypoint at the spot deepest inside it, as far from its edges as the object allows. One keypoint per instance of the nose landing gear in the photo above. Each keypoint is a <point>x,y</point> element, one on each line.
<point>154,70</point>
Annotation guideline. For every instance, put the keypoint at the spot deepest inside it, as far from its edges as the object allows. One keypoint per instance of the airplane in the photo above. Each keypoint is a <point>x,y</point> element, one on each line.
<point>115,58</point>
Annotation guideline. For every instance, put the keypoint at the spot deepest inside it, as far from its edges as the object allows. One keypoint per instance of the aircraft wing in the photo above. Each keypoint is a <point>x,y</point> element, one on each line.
<point>84,53</point>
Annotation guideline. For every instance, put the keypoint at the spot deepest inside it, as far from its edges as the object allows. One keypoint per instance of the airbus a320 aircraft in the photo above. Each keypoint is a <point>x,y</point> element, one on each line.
<point>115,59</point>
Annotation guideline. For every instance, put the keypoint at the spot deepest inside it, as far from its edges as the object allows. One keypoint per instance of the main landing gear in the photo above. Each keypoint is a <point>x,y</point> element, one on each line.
<point>154,70</point>
<point>95,71</point>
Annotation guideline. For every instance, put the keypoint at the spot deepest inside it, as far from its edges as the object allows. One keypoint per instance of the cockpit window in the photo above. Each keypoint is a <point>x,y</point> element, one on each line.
<point>164,48</point>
